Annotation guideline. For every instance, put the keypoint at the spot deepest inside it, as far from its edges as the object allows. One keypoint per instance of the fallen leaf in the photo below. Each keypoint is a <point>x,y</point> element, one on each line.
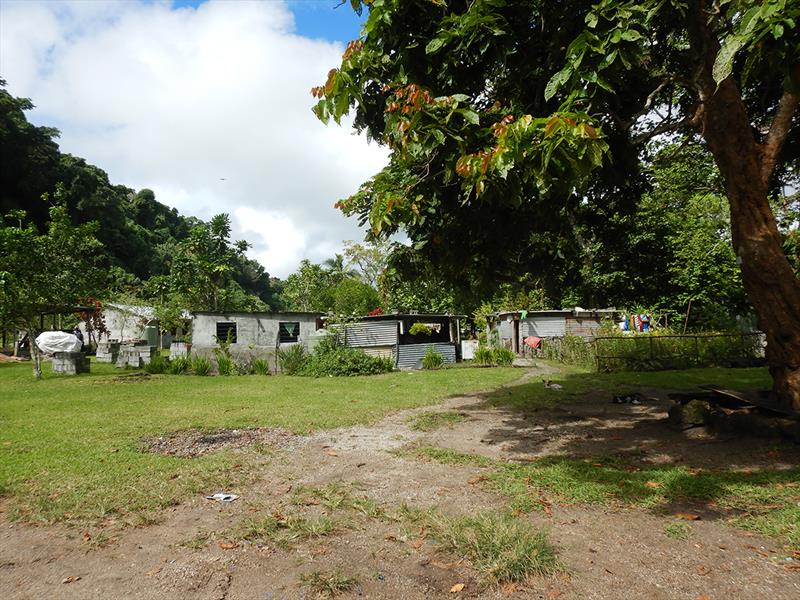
<point>792,567</point>
<point>652,485</point>
<point>703,597</point>
<point>687,516</point>
<point>546,505</point>
<point>508,588</point>
<point>153,572</point>
<point>441,565</point>
<point>554,593</point>
<point>228,545</point>
<point>477,479</point>
<point>416,545</point>
<point>331,453</point>
<point>702,570</point>
<point>456,588</point>
<point>615,437</point>
<point>86,536</point>
<point>71,579</point>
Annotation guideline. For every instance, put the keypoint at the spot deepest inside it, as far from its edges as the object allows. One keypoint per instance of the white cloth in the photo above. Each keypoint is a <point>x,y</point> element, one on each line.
<point>51,342</point>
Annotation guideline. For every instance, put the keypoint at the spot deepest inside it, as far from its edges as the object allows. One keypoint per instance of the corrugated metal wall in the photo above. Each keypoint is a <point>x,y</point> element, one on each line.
<point>410,355</point>
<point>365,335</point>
<point>544,326</point>
<point>506,330</point>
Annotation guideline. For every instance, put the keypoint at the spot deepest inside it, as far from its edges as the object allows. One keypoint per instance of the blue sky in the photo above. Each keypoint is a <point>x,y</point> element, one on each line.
<point>314,18</point>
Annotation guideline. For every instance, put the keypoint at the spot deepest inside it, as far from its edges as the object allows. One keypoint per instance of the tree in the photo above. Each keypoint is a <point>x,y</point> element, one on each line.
<point>337,270</point>
<point>353,297</point>
<point>42,273</point>
<point>497,113</point>
<point>308,289</point>
<point>370,259</point>
<point>203,271</point>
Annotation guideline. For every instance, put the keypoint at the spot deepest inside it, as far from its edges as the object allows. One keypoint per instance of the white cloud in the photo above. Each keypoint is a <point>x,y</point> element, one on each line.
<point>208,107</point>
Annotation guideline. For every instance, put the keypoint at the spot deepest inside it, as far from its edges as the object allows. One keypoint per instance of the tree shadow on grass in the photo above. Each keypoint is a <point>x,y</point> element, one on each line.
<point>574,445</point>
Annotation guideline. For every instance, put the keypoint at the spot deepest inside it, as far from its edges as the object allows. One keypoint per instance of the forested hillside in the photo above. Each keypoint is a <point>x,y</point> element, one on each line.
<point>141,237</point>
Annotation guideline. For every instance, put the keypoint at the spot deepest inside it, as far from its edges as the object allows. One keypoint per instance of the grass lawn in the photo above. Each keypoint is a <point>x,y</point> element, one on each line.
<point>69,446</point>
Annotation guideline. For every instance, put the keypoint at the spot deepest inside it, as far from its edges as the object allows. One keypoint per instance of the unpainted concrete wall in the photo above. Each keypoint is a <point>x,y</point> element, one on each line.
<point>256,334</point>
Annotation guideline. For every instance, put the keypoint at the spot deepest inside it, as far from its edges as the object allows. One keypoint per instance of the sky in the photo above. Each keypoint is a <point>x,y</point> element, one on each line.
<point>206,103</point>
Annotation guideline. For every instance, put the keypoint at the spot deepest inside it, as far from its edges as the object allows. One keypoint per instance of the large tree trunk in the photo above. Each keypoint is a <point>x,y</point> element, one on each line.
<point>770,282</point>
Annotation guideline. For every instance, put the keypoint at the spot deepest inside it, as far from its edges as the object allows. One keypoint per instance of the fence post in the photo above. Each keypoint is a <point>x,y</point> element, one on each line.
<point>596,356</point>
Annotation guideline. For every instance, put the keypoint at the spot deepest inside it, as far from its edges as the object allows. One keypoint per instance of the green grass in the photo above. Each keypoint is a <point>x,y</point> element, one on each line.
<point>502,547</point>
<point>533,396</point>
<point>328,583</point>
<point>283,530</point>
<point>765,501</point>
<point>678,530</point>
<point>69,446</point>
<point>428,421</point>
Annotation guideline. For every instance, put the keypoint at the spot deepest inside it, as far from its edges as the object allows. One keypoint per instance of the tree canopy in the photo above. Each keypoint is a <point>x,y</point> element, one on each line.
<point>514,125</point>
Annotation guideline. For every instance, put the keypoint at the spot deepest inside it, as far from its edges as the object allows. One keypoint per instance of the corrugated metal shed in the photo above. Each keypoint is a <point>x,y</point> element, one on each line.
<point>365,335</point>
<point>544,326</point>
<point>410,355</point>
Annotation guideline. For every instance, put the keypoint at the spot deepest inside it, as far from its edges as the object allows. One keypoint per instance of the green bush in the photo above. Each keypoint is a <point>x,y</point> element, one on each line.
<point>432,360</point>
<point>201,366</point>
<point>570,349</point>
<point>502,357</point>
<point>260,366</point>
<point>330,359</point>
<point>292,359</point>
<point>484,356</point>
<point>179,365</point>
<point>224,363</point>
<point>420,329</point>
<point>157,365</point>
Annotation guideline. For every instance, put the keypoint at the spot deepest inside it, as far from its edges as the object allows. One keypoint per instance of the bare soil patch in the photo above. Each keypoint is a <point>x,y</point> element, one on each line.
<point>191,443</point>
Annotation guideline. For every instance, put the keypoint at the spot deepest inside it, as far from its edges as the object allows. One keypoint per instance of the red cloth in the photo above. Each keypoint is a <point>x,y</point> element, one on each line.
<point>533,341</point>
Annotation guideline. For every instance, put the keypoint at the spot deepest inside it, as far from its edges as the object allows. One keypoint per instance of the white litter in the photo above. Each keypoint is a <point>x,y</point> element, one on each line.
<point>221,497</point>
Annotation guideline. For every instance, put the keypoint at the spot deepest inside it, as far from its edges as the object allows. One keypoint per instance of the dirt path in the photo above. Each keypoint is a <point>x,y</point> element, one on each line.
<point>193,552</point>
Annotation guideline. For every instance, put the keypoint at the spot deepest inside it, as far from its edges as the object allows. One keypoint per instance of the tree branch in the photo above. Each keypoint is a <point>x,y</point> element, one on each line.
<point>777,134</point>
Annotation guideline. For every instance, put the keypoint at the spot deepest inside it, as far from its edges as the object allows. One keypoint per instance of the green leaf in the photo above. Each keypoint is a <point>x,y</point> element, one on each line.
<point>723,65</point>
<point>591,20</point>
<point>631,35</point>
<point>434,45</point>
<point>557,81</point>
<point>470,116</point>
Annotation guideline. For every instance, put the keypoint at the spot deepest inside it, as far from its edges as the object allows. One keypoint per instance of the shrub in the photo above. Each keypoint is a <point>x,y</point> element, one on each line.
<point>484,356</point>
<point>224,363</point>
<point>201,365</point>
<point>330,359</point>
<point>157,365</point>
<point>179,365</point>
<point>420,329</point>
<point>502,357</point>
<point>432,360</point>
<point>292,359</point>
<point>260,366</point>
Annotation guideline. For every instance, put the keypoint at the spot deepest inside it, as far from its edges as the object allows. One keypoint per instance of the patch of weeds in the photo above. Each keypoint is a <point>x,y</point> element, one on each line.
<point>328,583</point>
<point>282,530</point>
<point>781,523</point>
<point>199,541</point>
<point>678,530</point>
<point>500,546</point>
<point>428,421</point>
<point>445,456</point>
<point>338,496</point>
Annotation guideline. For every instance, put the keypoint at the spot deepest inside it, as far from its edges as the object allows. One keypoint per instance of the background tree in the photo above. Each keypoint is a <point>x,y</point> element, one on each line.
<point>370,259</point>
<point>497,112</point>
<point>41,273</point>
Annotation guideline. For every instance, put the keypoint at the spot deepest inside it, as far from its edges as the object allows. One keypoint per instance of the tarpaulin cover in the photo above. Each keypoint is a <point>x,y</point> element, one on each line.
<point>51,342</point>
<point>533,341</point>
